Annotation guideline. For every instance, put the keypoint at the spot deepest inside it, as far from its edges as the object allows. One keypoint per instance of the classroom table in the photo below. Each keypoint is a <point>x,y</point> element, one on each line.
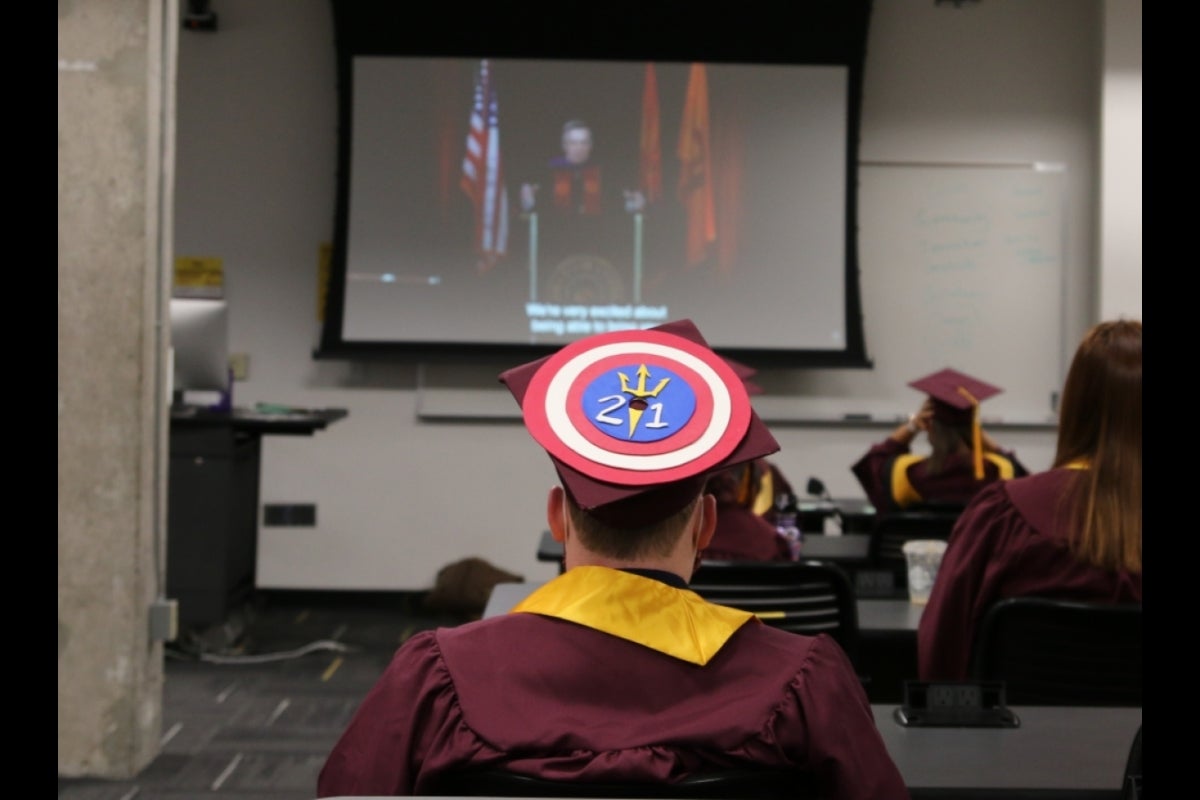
<point>857,514</point>
<point>887,637</point>
<point>850,551</point>
<point>848,548</point>
<point>1055,752</point>
<point>882,615</point>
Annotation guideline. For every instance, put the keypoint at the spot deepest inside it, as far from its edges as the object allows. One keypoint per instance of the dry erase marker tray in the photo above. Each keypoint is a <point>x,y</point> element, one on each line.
<point>955,704</point>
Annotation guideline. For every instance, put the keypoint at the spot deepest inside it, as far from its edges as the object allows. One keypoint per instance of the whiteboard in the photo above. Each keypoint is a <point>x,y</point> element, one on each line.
<point>960,266</point>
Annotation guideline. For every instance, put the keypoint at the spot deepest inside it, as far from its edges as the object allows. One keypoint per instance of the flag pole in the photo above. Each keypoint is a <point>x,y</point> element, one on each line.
<point>637,258</point>
<point>533,265</point>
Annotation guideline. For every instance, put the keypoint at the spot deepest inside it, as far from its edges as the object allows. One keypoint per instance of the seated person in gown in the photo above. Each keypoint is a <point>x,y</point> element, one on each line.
<point>963,458</point>
<point>742,534</point>
<point>1073,531</point>
<point>615,671</point>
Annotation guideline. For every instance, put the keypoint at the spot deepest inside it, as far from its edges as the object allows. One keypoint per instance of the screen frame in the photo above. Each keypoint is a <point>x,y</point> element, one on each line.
<point>831,32</point>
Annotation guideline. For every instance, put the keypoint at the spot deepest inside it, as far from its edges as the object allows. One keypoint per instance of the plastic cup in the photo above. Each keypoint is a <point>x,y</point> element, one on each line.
<point>924,556</point>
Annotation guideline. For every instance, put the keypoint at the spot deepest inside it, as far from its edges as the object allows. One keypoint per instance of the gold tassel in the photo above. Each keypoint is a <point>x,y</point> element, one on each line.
<point>976,433</point>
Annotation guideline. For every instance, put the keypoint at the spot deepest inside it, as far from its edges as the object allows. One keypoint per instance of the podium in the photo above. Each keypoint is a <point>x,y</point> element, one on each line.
<point>212,503</point>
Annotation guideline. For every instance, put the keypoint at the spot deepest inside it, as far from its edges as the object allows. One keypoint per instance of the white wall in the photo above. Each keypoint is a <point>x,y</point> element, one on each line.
<point>398,497</point>
<point>1121,165</point>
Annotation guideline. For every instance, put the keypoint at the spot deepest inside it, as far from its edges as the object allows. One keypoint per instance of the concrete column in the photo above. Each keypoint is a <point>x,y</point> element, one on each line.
<point>115,123</point>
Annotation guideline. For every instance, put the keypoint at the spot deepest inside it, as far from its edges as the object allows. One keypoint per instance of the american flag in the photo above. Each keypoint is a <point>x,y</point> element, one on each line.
<point>483,174</point>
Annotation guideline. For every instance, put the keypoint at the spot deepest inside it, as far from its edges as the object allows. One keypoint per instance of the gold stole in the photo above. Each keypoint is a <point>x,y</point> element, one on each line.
<point>676,622</point>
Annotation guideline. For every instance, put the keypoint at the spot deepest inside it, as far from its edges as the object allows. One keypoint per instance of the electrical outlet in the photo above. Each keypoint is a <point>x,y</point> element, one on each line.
<point>240,364</point>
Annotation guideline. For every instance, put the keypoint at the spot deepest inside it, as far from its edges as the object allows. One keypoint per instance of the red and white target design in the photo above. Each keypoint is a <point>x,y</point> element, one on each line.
<point>556,416</point>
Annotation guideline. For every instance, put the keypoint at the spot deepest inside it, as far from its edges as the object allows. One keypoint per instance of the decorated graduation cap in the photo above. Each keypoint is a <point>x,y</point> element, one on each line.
<point>746,373</point>
<point>956,397</point>
<point>635,421</point>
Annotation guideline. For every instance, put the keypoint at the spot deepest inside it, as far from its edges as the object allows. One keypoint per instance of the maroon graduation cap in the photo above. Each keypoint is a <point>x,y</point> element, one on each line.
<point>745,372</point>
<point>635,421</point>
<point>956,397</point>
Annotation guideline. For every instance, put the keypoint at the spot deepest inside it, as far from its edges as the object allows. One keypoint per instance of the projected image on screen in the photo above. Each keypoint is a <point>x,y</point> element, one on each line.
<point>533,201</point>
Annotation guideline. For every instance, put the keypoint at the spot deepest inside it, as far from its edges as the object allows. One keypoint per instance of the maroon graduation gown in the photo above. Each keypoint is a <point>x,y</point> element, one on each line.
<point>742,535</point>
<point>549,697</point>
<point>954,484</point>
<point>1006,544</point>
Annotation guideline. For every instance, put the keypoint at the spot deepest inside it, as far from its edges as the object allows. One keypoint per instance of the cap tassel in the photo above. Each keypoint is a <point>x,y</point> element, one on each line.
<point>976,433</point>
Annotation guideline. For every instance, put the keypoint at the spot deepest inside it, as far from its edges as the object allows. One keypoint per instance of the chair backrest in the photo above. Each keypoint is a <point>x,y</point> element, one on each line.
<point>1061,652</point>
<point>750,783</point>
<point>893,528</point>
<point>807,596</point>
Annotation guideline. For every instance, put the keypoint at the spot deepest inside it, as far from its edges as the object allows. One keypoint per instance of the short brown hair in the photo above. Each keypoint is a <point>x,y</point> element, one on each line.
<point>657,539</point>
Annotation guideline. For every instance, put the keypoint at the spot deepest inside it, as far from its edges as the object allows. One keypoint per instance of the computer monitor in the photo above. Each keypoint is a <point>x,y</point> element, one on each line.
<point>200,343</point>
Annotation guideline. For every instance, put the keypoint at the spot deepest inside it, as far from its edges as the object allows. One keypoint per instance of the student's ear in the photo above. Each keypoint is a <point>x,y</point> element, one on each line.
<point>708,520</point>
<point>555,514</point>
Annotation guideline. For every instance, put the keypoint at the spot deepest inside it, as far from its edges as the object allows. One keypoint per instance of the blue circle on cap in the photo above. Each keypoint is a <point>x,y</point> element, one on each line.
<point>610,403</point>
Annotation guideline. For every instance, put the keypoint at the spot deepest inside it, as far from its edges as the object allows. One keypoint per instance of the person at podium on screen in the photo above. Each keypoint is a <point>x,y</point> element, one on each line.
<point>576,181</point>
<point>614,671</point>
<point>1073,531</point>
<point>581,226</point>
<point>963,457</point>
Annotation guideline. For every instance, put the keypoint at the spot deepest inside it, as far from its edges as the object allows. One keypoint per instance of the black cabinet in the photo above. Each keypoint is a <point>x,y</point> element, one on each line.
<point>212,505</point>
<point>211,521</point>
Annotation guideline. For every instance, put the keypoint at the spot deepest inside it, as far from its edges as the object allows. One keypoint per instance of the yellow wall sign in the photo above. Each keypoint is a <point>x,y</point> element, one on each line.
<point>198,276</point>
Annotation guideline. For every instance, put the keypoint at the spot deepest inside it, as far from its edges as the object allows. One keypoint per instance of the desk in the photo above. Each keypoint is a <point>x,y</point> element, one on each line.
<point>1073,752</point>
<point>212,503</point>
<point>886,616</point>
<point>851,551</point>
<point>887,637</point>
<point>1056,753</point>
<point>858,515</point>
<point>848,548</point>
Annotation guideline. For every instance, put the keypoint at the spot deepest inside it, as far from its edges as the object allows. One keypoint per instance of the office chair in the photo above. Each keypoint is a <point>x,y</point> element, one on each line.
<point>749,783</point>
<point>808,597</point>
<point>889,533</point>
<point>1054,652</point>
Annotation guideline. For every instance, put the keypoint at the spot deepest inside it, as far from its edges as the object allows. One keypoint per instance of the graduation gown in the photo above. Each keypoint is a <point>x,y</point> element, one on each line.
<point>1007,543</point>
<point>742,535</point>
<point>894,478</point>
<point>604,675</point>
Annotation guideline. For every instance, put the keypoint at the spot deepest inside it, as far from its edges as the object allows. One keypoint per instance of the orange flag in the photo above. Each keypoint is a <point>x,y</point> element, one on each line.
<point>651,148</point>
<point>695,174</point>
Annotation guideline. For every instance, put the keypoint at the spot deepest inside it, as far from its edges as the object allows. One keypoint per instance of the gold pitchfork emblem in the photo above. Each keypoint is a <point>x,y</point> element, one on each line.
<point>640,393</point>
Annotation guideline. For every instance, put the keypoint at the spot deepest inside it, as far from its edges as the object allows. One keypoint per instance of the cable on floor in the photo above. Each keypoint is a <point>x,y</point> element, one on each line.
<point>262,658</point>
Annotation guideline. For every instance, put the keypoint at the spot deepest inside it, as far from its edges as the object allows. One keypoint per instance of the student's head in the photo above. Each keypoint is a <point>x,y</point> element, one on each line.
<point>1100,440</point>
<point>577,141</point>
<point>1101,407</point>
<point>736,486</point>
<point>953,398</point>
<point>635,422</point>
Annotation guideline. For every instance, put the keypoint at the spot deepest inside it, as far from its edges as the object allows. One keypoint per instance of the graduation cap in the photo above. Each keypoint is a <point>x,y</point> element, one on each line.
<point>956,397</point>
<point>635,421</point>
<point>745,372</point>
